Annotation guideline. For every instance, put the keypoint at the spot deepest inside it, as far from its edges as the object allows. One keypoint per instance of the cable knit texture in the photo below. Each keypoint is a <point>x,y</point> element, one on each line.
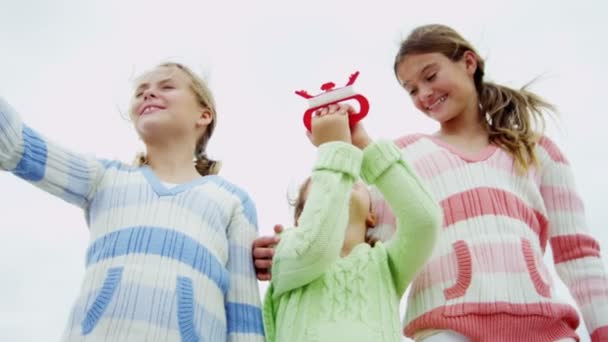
<point>486,278</point>
<point>163,264</point>
<point>315,295</point>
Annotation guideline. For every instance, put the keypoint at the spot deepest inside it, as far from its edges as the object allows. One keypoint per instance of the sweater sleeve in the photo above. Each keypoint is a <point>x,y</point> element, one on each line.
<point>243,307</point>
<point>575,252</point>
<point>269,312</point>
<point>306,251</point>
<point>417,214</point>
<point>28,155</point>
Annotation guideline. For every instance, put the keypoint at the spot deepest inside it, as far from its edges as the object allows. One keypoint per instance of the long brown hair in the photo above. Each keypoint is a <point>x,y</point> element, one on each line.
<point>513,118</point>
<point>204,165</point>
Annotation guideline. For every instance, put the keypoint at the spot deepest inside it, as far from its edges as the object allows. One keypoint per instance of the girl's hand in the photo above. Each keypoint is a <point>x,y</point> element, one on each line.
<point>262,251</point>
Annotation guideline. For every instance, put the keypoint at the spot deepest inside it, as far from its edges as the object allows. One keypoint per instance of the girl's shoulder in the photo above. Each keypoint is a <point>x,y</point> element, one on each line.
<point>408,140</point>
<point>117,165</point>
<point>227,192</point>
<point>547,149</point>
<point>227,186</point>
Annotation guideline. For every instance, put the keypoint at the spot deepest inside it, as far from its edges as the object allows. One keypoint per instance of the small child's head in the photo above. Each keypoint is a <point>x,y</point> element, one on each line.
<point>360,205</point>
<point>171,104</point>
<point>444,77</point>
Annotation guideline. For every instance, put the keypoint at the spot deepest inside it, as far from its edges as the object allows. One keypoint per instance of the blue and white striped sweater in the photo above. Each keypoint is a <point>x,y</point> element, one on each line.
<point>163,264</point>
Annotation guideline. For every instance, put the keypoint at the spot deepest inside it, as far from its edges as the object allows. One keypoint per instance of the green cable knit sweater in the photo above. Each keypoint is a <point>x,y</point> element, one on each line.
<point>316,295</point>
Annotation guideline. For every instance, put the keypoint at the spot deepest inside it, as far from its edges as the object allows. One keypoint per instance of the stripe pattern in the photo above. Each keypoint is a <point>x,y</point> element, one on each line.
<point>163,264</point>
<point>488,259</point>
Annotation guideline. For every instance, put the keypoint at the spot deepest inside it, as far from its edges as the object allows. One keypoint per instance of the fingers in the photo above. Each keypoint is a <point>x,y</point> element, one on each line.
<point>348,108</point>
<point>278,228</point>
<point>334,109</point>
<point>340,109</point>
<point>263,264</point>
<point>322,111</point>
<point>265,241</point>
<point>263,275</point>
<point>343,110</point>
<point>263,253</point>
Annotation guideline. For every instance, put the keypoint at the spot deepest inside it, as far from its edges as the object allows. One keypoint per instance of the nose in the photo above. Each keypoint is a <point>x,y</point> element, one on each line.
<point>149,94</point>
<point>425,92</point>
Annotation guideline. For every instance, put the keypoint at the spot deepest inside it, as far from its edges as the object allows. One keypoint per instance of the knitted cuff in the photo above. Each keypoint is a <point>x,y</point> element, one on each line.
<point>377,158</point>
<point>340,157</point>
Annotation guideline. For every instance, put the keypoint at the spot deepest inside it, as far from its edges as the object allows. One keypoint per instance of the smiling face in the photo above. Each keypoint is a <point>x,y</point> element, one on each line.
<point>439,87</point>
<point>164,105</point>
<point>443,75</point>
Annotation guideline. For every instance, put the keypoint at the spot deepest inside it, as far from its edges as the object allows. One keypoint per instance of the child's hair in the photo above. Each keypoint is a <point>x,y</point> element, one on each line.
<point>300,201</point>
<point>507,114</point>
<point>203,164</point>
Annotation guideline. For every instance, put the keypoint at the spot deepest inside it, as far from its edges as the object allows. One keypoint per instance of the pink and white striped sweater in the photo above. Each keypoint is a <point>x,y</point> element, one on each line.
<point>486,278</point>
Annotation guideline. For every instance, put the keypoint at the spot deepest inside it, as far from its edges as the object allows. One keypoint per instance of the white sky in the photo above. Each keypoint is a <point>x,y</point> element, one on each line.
<point>66,65</point>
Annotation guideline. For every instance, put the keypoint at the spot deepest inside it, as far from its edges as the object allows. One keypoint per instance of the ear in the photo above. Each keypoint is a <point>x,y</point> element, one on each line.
<point>370,220</point>
<point>470,62</point>
<point>205,118</point>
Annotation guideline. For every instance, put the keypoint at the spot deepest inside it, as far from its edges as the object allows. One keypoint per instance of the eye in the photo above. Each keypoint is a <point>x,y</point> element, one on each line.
<point>168,87</point>
<point>431,77</point>
<point>413,91</point>
<point>139,94</point>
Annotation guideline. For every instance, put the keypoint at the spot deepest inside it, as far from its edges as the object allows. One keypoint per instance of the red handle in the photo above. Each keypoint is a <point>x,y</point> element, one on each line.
<point>353,118</point>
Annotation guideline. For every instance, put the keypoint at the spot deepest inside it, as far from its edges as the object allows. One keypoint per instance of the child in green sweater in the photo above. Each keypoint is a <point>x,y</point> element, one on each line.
<point>328,283</point>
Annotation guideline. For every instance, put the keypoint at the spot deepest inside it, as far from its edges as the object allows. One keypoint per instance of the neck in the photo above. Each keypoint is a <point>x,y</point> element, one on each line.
<point>172,162</point>
<point>466,129</point>
<point>355,234</point>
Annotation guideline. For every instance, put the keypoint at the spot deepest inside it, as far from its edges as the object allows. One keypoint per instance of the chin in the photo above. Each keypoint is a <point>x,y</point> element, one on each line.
<point>441,117</point>
<point>149,131</point>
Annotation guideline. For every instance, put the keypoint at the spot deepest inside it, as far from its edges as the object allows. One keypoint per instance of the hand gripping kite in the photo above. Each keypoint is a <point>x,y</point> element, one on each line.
<point>332,95</point>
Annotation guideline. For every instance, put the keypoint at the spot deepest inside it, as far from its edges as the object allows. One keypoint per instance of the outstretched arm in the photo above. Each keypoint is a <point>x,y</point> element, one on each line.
<point>28,155</point>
